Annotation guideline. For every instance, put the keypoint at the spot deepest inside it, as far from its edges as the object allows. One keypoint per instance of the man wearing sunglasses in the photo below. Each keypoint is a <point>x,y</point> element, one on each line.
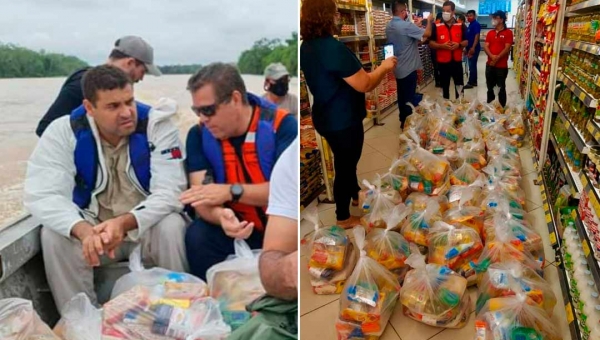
<point>131,54</point>
<point>230,156</point>
<point>104,178</point>
<point>277,85</point>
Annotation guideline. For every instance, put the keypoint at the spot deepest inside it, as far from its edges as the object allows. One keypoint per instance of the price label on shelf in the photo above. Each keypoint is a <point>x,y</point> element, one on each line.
<point>569,312</point>
<point>586,248</point>
<point>552,238</point>
<point>582,96</point>
<point>567,124</point>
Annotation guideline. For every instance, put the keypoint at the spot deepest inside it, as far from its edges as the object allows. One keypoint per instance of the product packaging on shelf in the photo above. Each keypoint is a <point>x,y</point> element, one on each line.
<point>369,296</point>
<point>434,295</point>
<point>19,321</point>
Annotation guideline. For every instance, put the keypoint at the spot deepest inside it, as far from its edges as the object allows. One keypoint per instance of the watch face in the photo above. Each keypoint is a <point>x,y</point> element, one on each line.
<point>236,189</point>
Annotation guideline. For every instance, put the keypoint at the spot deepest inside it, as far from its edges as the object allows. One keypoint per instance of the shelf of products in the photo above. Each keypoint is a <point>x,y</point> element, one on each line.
<point>580,93</point>
<point>577,6</point>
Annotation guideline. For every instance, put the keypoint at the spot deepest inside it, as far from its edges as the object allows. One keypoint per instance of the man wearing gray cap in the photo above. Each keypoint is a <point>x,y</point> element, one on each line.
<point>277,84</point>
<point>131,54</point>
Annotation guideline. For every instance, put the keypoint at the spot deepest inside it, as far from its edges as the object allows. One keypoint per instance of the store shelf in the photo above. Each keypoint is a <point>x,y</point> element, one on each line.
<point>379,37</point>
<point>583,46</point>
<point>539,61</point>
<point>571,176</point>
<point>389,109</point>
<point>594,129</point>
<point>566,289</point>
<point>585,97</point>
<point>576,136</point>
<point>591,191</point>
<point>586,6</point>
<point>357,8</point>
<point>354,38</point>
<point>312,197</point>
<point>549,214</point>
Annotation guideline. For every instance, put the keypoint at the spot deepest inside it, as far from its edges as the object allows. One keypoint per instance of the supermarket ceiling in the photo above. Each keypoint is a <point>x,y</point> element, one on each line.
<point>181,32</point>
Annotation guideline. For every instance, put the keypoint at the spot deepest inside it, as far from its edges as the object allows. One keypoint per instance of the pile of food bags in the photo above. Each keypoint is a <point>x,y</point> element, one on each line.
<point>19,321</point>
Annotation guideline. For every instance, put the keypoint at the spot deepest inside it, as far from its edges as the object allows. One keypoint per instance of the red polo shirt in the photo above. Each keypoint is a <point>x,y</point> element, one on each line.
<point>496,41</point>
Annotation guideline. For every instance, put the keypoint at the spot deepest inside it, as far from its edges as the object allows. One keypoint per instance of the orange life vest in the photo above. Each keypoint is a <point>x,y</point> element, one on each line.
<point>443,35</point>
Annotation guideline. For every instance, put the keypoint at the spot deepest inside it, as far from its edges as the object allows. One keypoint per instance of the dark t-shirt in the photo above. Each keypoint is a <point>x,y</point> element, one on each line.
<point>474,29</point>
<point>196,161</point>
<point>326,62</point>
<point>69,98</point>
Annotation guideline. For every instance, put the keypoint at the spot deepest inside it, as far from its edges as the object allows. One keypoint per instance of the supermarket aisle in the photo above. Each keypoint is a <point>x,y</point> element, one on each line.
<point>318,313</point>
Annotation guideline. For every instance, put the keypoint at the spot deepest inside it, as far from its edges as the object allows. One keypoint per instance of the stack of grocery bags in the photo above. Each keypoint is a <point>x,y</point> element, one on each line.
<point>449,214</point>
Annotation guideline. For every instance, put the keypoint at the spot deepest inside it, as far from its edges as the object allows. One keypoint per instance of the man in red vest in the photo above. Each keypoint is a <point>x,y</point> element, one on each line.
<point>230,157</point>
<point>497,47</point>
<point>449,38</point>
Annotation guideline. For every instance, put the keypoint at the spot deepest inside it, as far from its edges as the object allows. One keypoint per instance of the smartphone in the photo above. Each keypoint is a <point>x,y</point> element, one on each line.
<point>388,50</point>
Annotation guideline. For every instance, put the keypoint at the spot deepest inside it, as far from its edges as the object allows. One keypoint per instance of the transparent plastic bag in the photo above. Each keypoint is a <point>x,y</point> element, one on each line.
<point>433,172</point>
<point>514,317</point>
<point>388,247</point>
<point>19,321</point>
<point>475,159</point>
<point>466,214</point>
<point>370,294</point>
<point>464,175</point>
<point>458,192</point>
<point>396,178</point>
<point>418,201</point>
<point>235,283</point>
<point>434,295</point>
<point>443,137</point>
<point>161,313</point>
<point>519,231</point>
<point>151,277</point>
<point>81,320</point>
<point>511,278</point>
<point>455,247</point>
<point>326,281</point>
<point>379,207</point>
<point>416,228</point>
<point>327,247</point>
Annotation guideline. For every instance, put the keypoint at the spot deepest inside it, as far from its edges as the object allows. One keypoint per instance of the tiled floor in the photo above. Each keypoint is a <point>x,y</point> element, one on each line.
<point>318,313</point>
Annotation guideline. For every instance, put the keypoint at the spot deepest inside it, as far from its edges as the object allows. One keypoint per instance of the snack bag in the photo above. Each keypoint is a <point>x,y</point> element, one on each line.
<point>434,294</point>
<point>454,247</point>
<point>235,283</point>
<point>369,296</point>
<point>158,313</point>
<point>326,282</point>
<point>514,317</point>
<point>511,278</point>
<point>379,206</point>
<point>19,321</point>
<point>416,228</point>
<point>139,276</point>
<point>465,214</point>
<point>327,247</point>
<point>388,247</point>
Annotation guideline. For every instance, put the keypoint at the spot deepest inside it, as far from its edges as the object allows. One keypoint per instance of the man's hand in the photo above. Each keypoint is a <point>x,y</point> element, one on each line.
<point>210,194</point>
<point>471,53</point>
<point>448,45</point>
<point>233,227</point>
<point>453,45</point>
<point>112,232</point>
<point>493,60</point>
<point>91,244</point>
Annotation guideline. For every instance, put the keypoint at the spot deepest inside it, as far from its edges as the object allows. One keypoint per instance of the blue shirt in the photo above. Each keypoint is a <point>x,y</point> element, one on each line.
<point>405,36</point>
<point>325,63</point>
<point>473,29</point>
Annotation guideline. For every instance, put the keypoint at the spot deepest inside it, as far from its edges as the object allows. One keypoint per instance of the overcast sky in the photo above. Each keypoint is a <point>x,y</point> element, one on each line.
<point>181,31</point>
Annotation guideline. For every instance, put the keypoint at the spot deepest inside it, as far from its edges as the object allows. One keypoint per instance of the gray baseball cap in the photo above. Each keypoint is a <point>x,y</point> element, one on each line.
<point>276,71</point>
<point>139,49</point>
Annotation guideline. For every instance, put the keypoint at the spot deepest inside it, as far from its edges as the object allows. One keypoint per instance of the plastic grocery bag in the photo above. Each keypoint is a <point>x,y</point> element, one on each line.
<point>235,283</point>
<point>443,137</point>
<point>433,176</point>
<point>454,247</point>
<point>517,230</point>
<point>379,207</point>
<point>511,278</point>
<point>464,175</point>
<point>514,317</point>
<point>418,201</point>
<point>81,320</point>
<point>416,228</point>
<point>327,247</point>
<point>151,277</point>
<point>370,294</point>
<point>388,247</point>
<point>396,178</point>
<point>434,295</point>
<point>19,321</point>
<point>162,312</point>
<point>465,213</point>
<point>457,196</point>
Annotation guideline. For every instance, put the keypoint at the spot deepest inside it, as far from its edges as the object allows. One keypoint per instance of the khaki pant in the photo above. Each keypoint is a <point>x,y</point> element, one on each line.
<point>68,274</point>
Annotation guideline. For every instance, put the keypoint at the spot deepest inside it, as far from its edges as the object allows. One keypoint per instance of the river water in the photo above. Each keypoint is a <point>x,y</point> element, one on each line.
<point>24,101</point>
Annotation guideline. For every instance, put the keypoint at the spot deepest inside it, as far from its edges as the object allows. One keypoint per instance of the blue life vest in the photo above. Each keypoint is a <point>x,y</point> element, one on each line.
<point>86,154</point>
<point>265,140</point>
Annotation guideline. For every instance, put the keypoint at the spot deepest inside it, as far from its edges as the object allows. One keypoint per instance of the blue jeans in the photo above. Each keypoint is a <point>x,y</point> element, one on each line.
<point>407,87</point>
<point>473,68</point>
<point>207,244</point>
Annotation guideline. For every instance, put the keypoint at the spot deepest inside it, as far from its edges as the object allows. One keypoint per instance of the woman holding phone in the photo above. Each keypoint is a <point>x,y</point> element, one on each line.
<point>338,83</point>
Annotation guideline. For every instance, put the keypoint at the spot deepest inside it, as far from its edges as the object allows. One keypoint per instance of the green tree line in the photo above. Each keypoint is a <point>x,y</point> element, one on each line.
<point>180,69</point>
<point>17,62</point>
<point>266,51</point>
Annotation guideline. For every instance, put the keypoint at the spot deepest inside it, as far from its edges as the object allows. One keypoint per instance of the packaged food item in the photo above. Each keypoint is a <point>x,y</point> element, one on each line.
<point>454,246</point>
<point>328,245</point>
<point>511,278</point>
<point>154,313</point>
<point>327,281</point>
<point>369,296</point>
<point>514,317</point>
<point>378,205</point>
<point>416,228</point>
<point>516,230</point>
<point>19,321</point>
<point>464,175</point>
<point>433,172</point>
<point>443,136</point>
<point>388,247</point>
<point>434,295</point>
<point>470,155</point>
<point>139,276</point>
<point>396,178</point>
<point>418,201</point>
<point>235,283</point>
<point>465,214</point>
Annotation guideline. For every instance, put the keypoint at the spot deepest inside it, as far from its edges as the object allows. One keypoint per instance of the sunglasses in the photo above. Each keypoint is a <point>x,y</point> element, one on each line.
<point>206,111</point>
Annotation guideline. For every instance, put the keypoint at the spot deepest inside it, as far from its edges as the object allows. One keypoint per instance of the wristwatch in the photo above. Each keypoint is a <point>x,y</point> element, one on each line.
<point>236,192</point>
